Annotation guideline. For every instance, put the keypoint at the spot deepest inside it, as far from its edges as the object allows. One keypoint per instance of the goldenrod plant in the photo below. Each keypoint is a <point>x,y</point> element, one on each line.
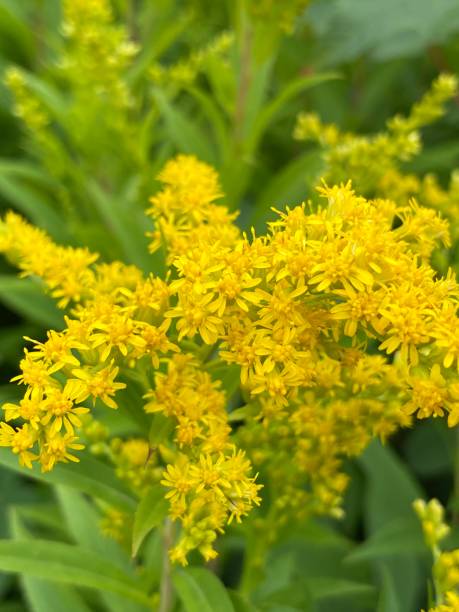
<point>238,366</point>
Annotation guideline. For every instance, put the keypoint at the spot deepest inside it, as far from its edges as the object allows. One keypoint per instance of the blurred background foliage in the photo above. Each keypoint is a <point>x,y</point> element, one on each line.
<point>93,103</point>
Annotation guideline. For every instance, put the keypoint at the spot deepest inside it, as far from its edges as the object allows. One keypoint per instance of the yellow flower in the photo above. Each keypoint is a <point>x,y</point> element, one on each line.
<point>97,383</point>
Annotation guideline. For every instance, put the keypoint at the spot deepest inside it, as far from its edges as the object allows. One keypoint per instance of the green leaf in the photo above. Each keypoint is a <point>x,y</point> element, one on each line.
<point>428,448</point>
<point>289,185</point>
<point>82,520</point>
<point>31,203</point>
<point>89,476</point>
<point>324,587</point>
<point>27,297</point>
<point>122,225</point>
<point>270,111</point>
<point>215,117</point>
<point>160,429</point>
<point>187,137</point>
<point>390,488</point>
<point>384,30</point>
<point>16,38</point>
<point>200,590</point>
<point>390,492</point>
<point>150,512</point>
<point>240,603</point>
<point>388,601</point>
<point>43,595</point>
<point>402,536</point>
<point>64,563</point>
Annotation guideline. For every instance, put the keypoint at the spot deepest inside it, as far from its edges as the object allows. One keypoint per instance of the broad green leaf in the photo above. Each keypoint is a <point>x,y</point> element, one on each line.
<point>390,492</point>
<point>27,297</point>
<point>43,595</point>
<point>390,488</point>
<point>83,520</point>
<point>150,512</point>
<point>388,601</point>
<point>200,590</point>
<point>428,448</point>
<point>402,536</point>
<point>383,30</point>
<point>89,476</point>
<point>68,564</point>
<point>187,137</point>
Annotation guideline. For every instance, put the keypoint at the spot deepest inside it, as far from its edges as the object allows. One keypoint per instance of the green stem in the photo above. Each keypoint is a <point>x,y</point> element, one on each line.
<point>165,590</point>
<point>455,517</point>
<point>437,590</point>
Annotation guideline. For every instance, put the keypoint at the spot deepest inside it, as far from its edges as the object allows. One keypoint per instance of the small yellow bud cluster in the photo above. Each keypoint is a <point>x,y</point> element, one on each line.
<point>185,71</point>
<point>367,159</point>
<point>446,563</point>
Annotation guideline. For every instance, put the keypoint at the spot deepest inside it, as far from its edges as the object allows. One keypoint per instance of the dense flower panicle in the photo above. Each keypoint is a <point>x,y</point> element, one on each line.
<point>335,322</point>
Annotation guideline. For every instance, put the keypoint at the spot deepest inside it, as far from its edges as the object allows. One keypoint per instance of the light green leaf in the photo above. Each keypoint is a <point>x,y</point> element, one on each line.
<point>200,590</point>
<point>151,511</point>
<point>89,476</point>
<point>68,564</point>
<point>27,297</point>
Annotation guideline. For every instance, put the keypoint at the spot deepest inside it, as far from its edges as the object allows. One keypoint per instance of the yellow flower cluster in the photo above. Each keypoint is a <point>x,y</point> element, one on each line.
<point>299,314</point>
<point>445,563</point>
<point>94,58</point>
<point>366,159</point>
<point>185,71</point>
<point>98,51</point>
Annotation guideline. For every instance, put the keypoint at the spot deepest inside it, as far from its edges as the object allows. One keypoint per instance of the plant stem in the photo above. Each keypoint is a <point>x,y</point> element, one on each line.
<point>165,590</point>
<point>244,82</point>
<point>455,517</point>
